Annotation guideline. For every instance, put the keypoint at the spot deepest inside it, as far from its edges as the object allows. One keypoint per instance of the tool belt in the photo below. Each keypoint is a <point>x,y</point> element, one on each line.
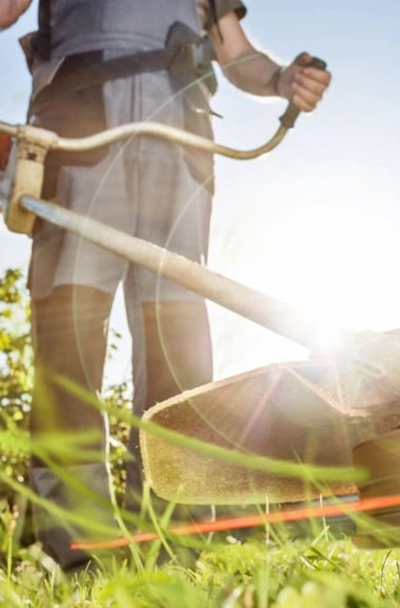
<point>186,55</point>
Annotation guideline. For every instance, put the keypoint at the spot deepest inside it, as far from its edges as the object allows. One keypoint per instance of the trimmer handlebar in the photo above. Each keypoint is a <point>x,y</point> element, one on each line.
<point>149,129</point>
<point>24,172</point>
<point>153,129</point>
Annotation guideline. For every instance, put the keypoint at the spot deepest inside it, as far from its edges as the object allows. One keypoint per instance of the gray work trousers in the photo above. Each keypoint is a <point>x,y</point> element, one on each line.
<point>146,188</point>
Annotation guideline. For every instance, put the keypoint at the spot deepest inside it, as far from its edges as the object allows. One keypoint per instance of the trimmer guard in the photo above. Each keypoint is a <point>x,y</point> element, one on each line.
<point>290,412</point>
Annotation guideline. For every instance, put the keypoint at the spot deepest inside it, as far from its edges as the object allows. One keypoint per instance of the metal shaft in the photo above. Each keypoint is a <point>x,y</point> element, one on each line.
<point>245,301</point>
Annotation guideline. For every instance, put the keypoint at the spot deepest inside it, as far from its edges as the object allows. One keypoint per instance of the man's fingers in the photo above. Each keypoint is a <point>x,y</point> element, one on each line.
<point>303,104</point>
<point>308,83</point>
<point>305,99</point>
<point>321,76</point>
<point>303,59</point>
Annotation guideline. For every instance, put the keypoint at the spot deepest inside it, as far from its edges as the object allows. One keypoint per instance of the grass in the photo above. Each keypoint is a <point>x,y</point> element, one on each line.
<point>286,566</point>
<point>262,569</point>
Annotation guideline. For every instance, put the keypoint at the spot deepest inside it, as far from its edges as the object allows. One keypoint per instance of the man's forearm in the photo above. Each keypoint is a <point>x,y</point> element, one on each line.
<point>254,73</point>
<point>244,65</point>
<point>11,10</point>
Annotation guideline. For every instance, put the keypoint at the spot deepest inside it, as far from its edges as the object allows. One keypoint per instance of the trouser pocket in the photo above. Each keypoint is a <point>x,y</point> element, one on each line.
<point>71,113</point>
<point>197,120</point>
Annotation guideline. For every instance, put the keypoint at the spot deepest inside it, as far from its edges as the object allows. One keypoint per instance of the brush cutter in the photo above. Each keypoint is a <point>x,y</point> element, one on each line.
<point>269,427</point>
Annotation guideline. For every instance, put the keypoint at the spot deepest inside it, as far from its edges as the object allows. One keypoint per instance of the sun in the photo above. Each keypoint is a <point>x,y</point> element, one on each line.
<point>335,264</point>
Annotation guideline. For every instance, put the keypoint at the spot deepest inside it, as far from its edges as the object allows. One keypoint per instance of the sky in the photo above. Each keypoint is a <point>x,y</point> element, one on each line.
<point>315,223</point>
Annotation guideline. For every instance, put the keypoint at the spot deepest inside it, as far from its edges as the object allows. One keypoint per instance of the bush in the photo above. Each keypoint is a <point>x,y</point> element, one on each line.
<point>16,384</point>
<point>16,376</point>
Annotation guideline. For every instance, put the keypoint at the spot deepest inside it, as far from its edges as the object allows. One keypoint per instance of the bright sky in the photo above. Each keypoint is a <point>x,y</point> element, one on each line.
<point>316,223</point>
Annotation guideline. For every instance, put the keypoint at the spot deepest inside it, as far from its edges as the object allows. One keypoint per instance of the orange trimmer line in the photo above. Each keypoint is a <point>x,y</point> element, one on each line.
<point>204,527</point>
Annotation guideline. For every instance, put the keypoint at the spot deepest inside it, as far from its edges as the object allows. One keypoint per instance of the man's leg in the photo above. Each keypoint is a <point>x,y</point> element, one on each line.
<point>176,356</point>
<point>169,325</point>
<point>68,466</point>
<point>178,348</point>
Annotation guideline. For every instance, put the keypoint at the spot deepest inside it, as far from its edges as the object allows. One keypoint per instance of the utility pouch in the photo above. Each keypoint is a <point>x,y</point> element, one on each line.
<point>193,57</point>
<point>28,48</point>
<point>72,113</point>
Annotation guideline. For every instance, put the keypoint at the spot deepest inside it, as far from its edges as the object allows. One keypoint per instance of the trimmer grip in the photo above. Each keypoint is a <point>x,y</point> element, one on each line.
<point>291,113</point>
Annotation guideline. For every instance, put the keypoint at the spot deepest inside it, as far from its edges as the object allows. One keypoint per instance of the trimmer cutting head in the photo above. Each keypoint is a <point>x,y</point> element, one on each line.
<point>288,412</point>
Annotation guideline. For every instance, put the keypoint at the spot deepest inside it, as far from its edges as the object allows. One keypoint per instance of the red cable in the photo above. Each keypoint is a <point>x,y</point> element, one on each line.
<point>204,527</point>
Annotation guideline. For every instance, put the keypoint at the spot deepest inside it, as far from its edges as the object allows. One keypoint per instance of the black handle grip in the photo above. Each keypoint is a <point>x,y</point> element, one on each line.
<point>291,113</point>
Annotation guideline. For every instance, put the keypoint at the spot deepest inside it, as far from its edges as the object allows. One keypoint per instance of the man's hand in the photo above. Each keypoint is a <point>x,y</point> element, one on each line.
<point>259,74</point>
<point>303,85</point>
<point>11,10</point>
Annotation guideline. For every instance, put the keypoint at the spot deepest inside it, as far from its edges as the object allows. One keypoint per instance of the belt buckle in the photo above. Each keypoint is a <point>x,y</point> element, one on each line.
<point>197,55</point>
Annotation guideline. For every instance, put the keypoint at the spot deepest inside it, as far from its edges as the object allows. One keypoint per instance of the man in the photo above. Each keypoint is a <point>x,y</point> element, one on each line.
<point>146,187</point>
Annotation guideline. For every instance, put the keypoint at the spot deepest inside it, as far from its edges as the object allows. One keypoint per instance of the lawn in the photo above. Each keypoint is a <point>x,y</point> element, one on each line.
<point>280,567</point>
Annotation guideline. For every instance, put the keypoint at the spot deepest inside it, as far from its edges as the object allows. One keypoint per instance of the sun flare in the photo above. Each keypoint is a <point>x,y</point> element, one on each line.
<point>334,264</point>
